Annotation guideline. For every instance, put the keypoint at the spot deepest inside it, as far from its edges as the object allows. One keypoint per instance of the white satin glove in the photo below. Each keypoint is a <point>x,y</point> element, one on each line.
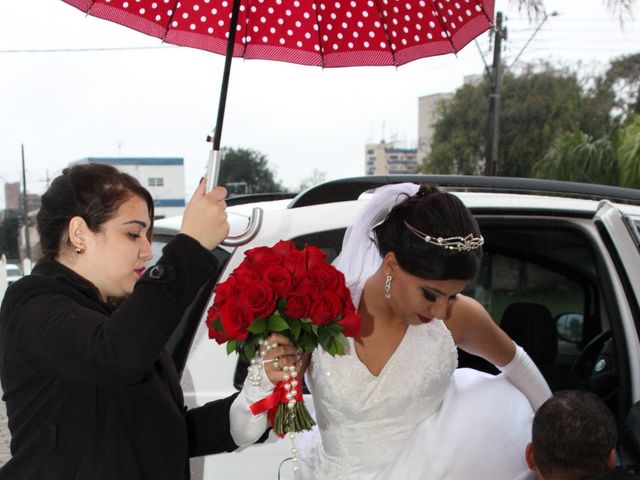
<point>523,373</point>
<point>246,427</point>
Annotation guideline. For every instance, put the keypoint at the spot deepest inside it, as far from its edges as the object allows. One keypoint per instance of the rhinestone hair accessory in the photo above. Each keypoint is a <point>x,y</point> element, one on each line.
<point>461,244</point>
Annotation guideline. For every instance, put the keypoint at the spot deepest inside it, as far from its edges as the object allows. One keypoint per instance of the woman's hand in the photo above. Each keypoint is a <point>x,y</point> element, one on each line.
<point>205,218</point>
<point>279,353</point>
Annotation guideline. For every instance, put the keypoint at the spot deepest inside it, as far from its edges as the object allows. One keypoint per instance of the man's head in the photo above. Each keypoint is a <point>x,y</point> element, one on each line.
<point>573,437</point>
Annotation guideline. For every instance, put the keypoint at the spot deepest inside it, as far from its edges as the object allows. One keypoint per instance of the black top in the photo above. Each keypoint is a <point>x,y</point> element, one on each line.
<point>90,392</point>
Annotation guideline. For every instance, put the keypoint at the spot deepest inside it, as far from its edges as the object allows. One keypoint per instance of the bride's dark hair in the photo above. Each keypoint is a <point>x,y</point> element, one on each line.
<point>437,214</point>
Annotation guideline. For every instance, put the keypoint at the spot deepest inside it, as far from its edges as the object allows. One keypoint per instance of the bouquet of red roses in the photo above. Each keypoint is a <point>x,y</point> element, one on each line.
<point>293,292</point>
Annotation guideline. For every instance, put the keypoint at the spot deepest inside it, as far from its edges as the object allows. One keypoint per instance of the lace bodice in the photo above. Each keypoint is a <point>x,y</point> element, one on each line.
<point>364,419</point>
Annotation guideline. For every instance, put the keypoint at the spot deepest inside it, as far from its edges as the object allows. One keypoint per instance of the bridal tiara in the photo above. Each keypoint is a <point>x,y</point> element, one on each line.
<point>460,244</point>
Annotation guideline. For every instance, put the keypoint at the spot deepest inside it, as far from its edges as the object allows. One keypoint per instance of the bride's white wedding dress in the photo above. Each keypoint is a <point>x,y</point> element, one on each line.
<point>420,418</point>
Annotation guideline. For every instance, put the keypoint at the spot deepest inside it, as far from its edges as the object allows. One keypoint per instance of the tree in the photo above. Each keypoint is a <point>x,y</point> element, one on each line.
<point>316,177</point>
<point>248,167</point>
<point>577,157</point>
<point>613,159</point>
<point>537,104</point>
<point>9,234</point>
<point>623,79</point>
<point>628,153</point>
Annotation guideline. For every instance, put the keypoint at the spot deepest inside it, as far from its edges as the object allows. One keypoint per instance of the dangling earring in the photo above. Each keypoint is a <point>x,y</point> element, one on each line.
<point>387,286</point>
<point>79,250</point>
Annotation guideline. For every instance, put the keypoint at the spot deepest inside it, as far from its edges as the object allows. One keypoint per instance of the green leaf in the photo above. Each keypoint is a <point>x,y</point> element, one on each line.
<point>231,346</point>
<point>258,326</point>
<point>306,325</point>
<point>218,325</point>
<point>296,328</point>
<point>281,305</point>
<point>277,324</point>
<point>249,350</point>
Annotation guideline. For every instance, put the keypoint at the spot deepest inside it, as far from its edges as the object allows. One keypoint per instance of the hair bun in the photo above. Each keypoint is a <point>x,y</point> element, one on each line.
<point>427,189</point>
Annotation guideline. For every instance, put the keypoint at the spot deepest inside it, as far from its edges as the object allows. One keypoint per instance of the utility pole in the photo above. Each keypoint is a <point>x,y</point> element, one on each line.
<point>493,140</point>
<point>25,210</point>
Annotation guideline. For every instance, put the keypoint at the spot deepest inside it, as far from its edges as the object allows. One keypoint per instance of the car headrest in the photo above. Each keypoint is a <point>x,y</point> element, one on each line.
<point>532,326</point>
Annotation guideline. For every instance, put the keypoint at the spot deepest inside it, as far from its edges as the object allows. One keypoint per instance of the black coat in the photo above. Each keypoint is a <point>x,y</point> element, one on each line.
<point>90,392</point>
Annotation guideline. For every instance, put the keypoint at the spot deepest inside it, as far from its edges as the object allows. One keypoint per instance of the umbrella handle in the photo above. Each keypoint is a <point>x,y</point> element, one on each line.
<point>255,222</point>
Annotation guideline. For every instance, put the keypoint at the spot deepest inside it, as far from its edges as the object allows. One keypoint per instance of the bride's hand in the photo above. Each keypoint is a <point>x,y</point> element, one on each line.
<point>278,354</point>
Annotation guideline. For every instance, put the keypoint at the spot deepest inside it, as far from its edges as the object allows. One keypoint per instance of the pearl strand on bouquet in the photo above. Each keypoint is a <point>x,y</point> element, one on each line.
<point>290,376</point>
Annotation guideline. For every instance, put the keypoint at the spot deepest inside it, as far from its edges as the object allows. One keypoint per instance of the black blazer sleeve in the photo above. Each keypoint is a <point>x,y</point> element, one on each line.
<point>209,429</point>
<point>55,332</point>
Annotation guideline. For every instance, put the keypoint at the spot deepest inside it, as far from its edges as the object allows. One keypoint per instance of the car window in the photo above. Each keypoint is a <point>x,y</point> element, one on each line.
<point>504,280</point>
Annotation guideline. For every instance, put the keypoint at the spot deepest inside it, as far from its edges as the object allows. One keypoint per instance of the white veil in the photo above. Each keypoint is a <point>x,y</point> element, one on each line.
<point>359,258</point>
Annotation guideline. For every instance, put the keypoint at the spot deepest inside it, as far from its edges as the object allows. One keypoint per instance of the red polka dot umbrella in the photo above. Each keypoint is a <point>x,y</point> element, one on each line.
<point>326,33</point>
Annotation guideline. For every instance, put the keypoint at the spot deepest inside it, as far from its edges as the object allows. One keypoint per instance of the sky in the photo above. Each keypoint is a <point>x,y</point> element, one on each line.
<point>73,86</point>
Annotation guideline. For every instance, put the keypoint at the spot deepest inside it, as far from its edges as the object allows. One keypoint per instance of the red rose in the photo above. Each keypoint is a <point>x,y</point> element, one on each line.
<point>326,307</point>
<point>315,257</point>
<point>328,278</point>
<point>260,298</point>
<point>351,322</point>
<point>212,316</point>
<point>260,257</point>
<point>296,262</point>
<point>244,273</point>
<point>279,278</point>
<point>309,284</point>
<point>235,317</point>
<point>283,247</point>
<point>226,290</point>
<point>298,306</point>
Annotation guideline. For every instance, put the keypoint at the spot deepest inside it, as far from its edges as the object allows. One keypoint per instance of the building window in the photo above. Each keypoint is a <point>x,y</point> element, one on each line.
<point>156,182</point>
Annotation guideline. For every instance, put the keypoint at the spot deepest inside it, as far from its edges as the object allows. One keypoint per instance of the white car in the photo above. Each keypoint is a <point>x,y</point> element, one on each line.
<point>561,275</point>
<point>13,273</point>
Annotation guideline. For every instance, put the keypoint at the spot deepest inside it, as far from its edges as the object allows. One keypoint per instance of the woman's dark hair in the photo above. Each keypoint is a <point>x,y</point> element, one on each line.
<point>92,191</point>
<point>437,214</point>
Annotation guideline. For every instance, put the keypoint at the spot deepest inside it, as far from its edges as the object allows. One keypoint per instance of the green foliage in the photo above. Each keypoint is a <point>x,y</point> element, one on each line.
<point>538,104</point>
<point>577,157</point>
<point>628,153</point>
<point>244,166</point>
<point>9,234</point>
<point>623,79</point>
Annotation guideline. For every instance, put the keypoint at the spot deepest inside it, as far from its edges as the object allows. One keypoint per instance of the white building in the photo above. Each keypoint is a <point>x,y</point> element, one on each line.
<point>428,115</point>
<point>163,177</point>
<point>385,158</point>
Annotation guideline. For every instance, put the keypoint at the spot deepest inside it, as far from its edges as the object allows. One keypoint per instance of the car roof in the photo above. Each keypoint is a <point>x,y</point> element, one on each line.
<point>348,196</point>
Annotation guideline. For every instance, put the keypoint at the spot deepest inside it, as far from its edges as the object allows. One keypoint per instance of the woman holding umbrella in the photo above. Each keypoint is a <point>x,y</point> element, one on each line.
<point>90,392</point>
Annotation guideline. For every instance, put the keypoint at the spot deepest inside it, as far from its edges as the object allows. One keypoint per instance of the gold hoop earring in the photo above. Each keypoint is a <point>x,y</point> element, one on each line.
<point>387,286</point>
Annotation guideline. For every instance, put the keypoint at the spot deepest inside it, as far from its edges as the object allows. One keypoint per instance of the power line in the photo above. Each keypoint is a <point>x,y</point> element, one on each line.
<point>94,49</point>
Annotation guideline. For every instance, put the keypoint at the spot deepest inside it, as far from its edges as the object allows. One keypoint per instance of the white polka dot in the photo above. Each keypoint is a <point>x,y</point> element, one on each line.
<point>142,10</point>
<point>196,8</point>
<point>263,20</point>
<point>365,14</point>
<point>281,41</point>
<point>307,35</point>
<point>192,26</point>
<point>272,30</point>
<point>355,34</point>
<point>350,45</point>
<point>372,35</point>
<point>366,44</point>
<point>383,45</point>
<point>265,39</point>
<point>203,18</point>
<point>255,29</point>
<point>174,24</point>
<point>316,48</point>
<point>298,23</point>
<point>125,5</point>
<point>185,15</point>
<point>416,38</point>
<point>290,32</point>
<point>360,24</point>
<point>158,18</point>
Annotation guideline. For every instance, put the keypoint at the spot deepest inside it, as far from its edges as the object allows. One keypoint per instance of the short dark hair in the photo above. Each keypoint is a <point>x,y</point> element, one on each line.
<point>92,191</point>
<point>572,436</point>
<point>438,214</point>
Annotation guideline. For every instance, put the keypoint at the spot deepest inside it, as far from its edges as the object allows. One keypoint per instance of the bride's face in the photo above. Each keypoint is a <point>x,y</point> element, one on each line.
<point>418,300</point>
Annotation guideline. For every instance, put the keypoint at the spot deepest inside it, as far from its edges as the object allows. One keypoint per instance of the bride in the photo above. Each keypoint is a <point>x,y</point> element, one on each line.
<point>395,407</point>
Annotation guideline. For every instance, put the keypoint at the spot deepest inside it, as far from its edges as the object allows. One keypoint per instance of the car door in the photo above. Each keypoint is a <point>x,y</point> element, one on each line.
<point>621,237</point>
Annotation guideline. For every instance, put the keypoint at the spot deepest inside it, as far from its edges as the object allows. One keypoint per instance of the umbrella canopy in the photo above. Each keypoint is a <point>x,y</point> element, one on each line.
<point>326,33</point>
